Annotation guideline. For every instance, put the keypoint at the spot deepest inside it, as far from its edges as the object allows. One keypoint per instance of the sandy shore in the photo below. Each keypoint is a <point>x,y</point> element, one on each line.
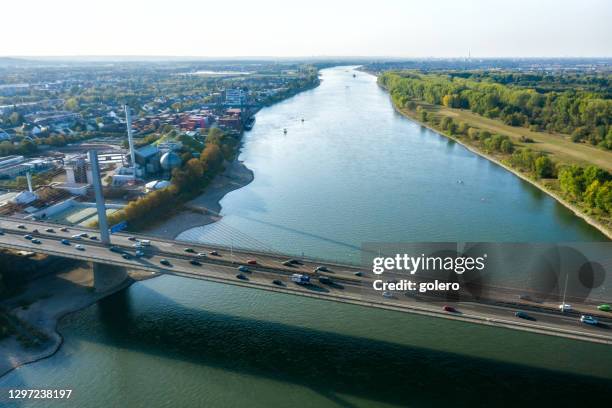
<point>50,298</point>
<point>206,207</point>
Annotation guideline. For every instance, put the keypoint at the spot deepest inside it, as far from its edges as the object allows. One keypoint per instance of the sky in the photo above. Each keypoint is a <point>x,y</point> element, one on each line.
<point>307,28</point>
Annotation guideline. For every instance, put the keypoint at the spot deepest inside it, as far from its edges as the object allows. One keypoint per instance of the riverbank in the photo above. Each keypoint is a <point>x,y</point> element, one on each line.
<point>206,208</point>
<point>577,211</point>
<point>43,304</point>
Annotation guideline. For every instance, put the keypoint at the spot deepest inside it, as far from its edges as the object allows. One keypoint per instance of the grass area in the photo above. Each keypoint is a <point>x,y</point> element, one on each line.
<point>555,144</point>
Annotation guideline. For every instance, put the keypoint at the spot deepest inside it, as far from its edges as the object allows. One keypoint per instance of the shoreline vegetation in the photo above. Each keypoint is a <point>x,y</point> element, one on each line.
<point>561,178</point>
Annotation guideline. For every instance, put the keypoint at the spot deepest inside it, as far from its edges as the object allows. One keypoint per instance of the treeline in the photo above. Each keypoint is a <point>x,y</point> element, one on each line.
<point>193,175</point>
<point>585,115</point>
<point>590,186</point>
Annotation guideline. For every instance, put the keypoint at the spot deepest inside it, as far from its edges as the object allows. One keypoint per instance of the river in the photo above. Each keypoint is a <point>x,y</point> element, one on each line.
<point>353,171</point>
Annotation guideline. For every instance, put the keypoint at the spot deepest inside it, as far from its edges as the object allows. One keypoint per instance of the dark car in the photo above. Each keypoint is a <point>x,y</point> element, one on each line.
<point>29,237</point>
<point>321,269</point>
<point>449,309</point>
<point>21,226</point>
<point>358,273</point>
<point>35,231</point>
<point>287,263</point>
<point>115,249</point>
<point>214,253</point>
<point>132,238</point>
<point>189,250</point>
<point>195,262</point>
<point>278,282</point>
<point>325,280</point>
<point>164,262</point>
<point>523,315</point>
<point>252,262</point>
<point>125,255</point>
<point>242,277</point>
<point>93,238</point>
<point>64,229</point>
<point>65,242</point>
<point>50,230</point>
<point>295,262</point>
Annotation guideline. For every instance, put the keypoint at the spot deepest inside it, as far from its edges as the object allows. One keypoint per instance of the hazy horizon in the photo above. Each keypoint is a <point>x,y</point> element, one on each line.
<point>315,29</point>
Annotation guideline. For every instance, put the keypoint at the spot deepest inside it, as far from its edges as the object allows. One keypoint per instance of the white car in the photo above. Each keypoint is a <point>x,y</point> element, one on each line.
<point>586,319</point>
<point>79,247</point>
<point>387,294</point>
<point>564,307</point>
<point>77,236</point>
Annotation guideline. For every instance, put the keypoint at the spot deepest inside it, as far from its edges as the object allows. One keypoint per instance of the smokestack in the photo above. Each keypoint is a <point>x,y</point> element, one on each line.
<point>128,120</point>
<point>29,178</point>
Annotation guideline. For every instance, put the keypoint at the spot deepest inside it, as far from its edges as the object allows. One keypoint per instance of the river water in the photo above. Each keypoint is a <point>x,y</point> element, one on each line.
<point>353,171</point>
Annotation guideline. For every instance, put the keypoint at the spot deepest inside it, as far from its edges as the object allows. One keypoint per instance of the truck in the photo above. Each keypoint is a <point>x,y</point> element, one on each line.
<point>300,279</point>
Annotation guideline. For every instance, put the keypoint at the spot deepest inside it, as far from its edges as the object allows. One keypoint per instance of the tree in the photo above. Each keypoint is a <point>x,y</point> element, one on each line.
<point>544,167</point>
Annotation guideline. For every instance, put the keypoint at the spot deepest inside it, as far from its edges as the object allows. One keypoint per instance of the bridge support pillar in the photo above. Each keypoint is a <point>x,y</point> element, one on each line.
<point>107,277</point>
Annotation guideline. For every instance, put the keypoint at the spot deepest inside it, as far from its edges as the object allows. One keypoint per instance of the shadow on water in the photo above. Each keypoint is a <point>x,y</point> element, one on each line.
<point>333,364</point>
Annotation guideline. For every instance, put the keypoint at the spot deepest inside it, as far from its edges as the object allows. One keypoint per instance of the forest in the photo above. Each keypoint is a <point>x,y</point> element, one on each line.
<point>579,106</point>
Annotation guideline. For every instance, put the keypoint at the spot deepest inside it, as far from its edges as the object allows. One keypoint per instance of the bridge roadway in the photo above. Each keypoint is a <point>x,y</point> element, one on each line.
<point>347,287</point>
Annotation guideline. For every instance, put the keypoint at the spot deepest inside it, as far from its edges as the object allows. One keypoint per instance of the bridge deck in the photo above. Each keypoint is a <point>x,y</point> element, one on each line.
<point>348,288</point>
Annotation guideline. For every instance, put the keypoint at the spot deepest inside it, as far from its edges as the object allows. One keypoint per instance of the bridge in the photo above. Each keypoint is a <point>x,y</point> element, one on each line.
<point>272,272</point>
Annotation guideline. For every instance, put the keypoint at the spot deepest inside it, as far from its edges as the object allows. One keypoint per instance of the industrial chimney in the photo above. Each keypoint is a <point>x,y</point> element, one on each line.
<point>29,178</point>
<point>128,120</point>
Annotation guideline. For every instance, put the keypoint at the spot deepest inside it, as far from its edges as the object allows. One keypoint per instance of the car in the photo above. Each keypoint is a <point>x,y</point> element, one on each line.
<point>243,268</point>
<point>64,229</point>
<point>587,319</point>
<point>449,309</point>
<point>145,242</point>
<point>387,294</point>
<point>125,255</point>
<point>325,280</point>
<point>93,238</point>
<point>36,241</point>
<point>564,307</point>
<point>287,263</point>
<point>252,262</point>
<point>214,253</point>
<point>77,236</point>
<point>295,262</point>
<point>278,282</point>
<point>139,253</point>
<point>132,238</point>
<point>321,269</point>
<point>202,255</point>
<point>195,262</point>
<point>189,250</point>
<point>164,261</point>
<point>28,237</point>
<point>35,230</point>
<point>21,226</point>
<point>50,230</point>
<point>1,232</point>
<point>604,308</point>
<point>115,249</point>
<point>84,235</point>
<point>242,277</point>
<point>300,279</point>
<point>523,315</point>
<point>79,247</point>
<point>65,242</point>
<point>358,273</point>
